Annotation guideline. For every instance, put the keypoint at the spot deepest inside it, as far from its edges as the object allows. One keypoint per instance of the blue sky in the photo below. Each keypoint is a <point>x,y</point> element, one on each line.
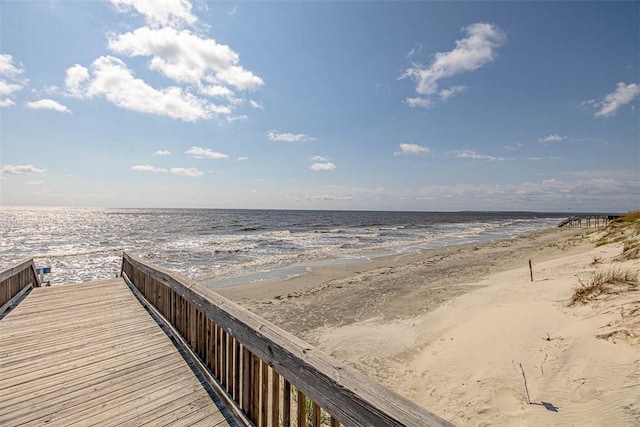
<point>321,105</point>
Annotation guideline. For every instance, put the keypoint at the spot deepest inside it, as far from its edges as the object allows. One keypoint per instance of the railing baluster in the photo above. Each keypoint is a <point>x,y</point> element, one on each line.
<point>236,370</point>
<point>275,398</point>
<point>315,415</point>
<point>246,380</point>
<point>255,381</point>
<point>264,409</point>
<point>286,404</point>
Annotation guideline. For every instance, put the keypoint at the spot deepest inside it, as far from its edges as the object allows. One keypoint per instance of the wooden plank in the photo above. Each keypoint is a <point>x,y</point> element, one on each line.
<point>17,268</point>
<point>255,381</point>
<point>12,300</point>
<point>345,393</point>
<point>286,404</point>
<point>315,415</point>
<point>175,411</point>
<point>264,408</point>
<point>92,412</point>
<point>84,380</point>
<point>68,350</point>
<point>97,370</point>
<point>202,419</point>
<point>275,398</point>
<point>247,386</point>
<point>87,396</point>
<point>12,379</point>
<point>302,409</point>
<point>237,370</point>
<point>143,403</point>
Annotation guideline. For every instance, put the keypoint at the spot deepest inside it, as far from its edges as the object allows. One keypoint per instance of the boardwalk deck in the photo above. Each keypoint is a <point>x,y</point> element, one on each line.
<point>88,354</point>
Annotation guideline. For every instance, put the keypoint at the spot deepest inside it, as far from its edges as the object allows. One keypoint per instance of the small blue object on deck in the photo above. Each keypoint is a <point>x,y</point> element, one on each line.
<point>43,270</point>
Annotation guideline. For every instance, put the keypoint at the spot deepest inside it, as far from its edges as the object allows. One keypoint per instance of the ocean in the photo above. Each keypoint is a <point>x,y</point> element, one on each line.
<point>227,247</point>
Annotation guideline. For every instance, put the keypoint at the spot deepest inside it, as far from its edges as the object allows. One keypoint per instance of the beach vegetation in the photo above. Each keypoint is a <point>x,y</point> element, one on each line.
<point>604,282</point>
<point>626,230</point>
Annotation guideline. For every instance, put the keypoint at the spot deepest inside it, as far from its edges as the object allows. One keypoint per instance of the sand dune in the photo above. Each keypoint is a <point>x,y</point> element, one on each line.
<point>449,329</point>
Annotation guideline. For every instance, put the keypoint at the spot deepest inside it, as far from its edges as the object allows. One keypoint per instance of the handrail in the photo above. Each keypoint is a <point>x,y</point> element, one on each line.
<point>589,221</point>
<point>14,280</point>
<point>260,365</point>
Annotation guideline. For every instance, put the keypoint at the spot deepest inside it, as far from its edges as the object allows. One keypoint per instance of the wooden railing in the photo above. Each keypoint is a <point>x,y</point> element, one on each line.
<point>587,221</point>
<point>272,377</point>
<point>15,281</point>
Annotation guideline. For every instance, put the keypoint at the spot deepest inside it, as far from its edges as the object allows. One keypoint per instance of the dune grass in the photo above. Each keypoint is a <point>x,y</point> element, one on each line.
<point>612,281</point>
<point>625,229</point>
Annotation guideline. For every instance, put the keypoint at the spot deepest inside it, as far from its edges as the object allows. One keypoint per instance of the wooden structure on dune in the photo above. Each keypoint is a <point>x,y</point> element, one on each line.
<point>587,221</point>
<point>152,347</point>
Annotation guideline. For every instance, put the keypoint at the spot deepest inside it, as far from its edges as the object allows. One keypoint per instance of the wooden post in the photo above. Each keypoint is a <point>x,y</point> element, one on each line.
<point>530,270</point>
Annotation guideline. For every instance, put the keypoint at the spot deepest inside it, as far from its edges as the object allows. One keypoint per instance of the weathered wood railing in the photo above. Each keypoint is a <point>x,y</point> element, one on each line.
<point>587,221</point>
<point>274,378</point>
<point>15,281</point>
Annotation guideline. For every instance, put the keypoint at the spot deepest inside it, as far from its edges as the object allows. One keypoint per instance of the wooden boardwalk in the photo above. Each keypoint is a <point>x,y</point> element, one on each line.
<point>90,354</point>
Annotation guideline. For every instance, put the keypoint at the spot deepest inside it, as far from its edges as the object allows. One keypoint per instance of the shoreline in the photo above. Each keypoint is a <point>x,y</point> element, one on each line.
<point>252,292</point>
<point>448,328</point>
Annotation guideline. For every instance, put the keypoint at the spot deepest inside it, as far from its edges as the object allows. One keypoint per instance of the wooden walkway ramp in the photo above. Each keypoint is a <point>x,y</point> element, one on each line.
<point>89,354</point>
<point>155,348</point>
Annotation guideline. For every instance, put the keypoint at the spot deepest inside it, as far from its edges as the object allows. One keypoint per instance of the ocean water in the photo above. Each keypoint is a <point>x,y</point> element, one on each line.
<point>226,247</point>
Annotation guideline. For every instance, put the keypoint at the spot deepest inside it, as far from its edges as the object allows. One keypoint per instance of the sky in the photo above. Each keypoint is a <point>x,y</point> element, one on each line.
<point>368,105</point>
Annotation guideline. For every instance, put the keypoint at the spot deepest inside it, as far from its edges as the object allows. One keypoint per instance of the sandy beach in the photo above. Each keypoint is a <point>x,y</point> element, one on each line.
<point>451,328</point>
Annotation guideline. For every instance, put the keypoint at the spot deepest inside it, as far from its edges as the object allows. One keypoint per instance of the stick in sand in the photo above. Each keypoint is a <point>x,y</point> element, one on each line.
<point>525,382</point>
<point>530,270</point>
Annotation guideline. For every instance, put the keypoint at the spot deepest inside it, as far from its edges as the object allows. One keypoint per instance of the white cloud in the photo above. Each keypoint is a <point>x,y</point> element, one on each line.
<point>217,91</point>
<point>162,153</point>
<point>112,79</point>
<point>552,194</point>
<point>200,153</point>
<point>9,80</point>
<point>185,57</point>
<point>554,137</point>
<point>417,48</point>
<point>412,149</point>
<point>8,67</point>
<point>20,170</point>
<point>148,168</point>
<point>514,147</point>
<point>319,159</point>
<point>231,119</point>
<point>159,13</point>
<point>623,95</point>
<point>47,104</point>
<point>242,158</point>
<point>445,94</point>
<point>324,166</point>
<point>200,67</point>
<point>7,89</point>
<point>255,104</point>
<point>470,53</point>
<point>176,171</point>
<point>186,171</point>
<point>75,81</point>
<point>35,182</point>
<point>6,102</point>
<point>468,154</point>
<point>289,137</point>
<point>418,102</point>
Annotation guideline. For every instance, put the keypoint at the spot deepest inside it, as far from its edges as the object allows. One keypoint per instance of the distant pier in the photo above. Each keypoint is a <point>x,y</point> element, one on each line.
<point>588,221</point>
